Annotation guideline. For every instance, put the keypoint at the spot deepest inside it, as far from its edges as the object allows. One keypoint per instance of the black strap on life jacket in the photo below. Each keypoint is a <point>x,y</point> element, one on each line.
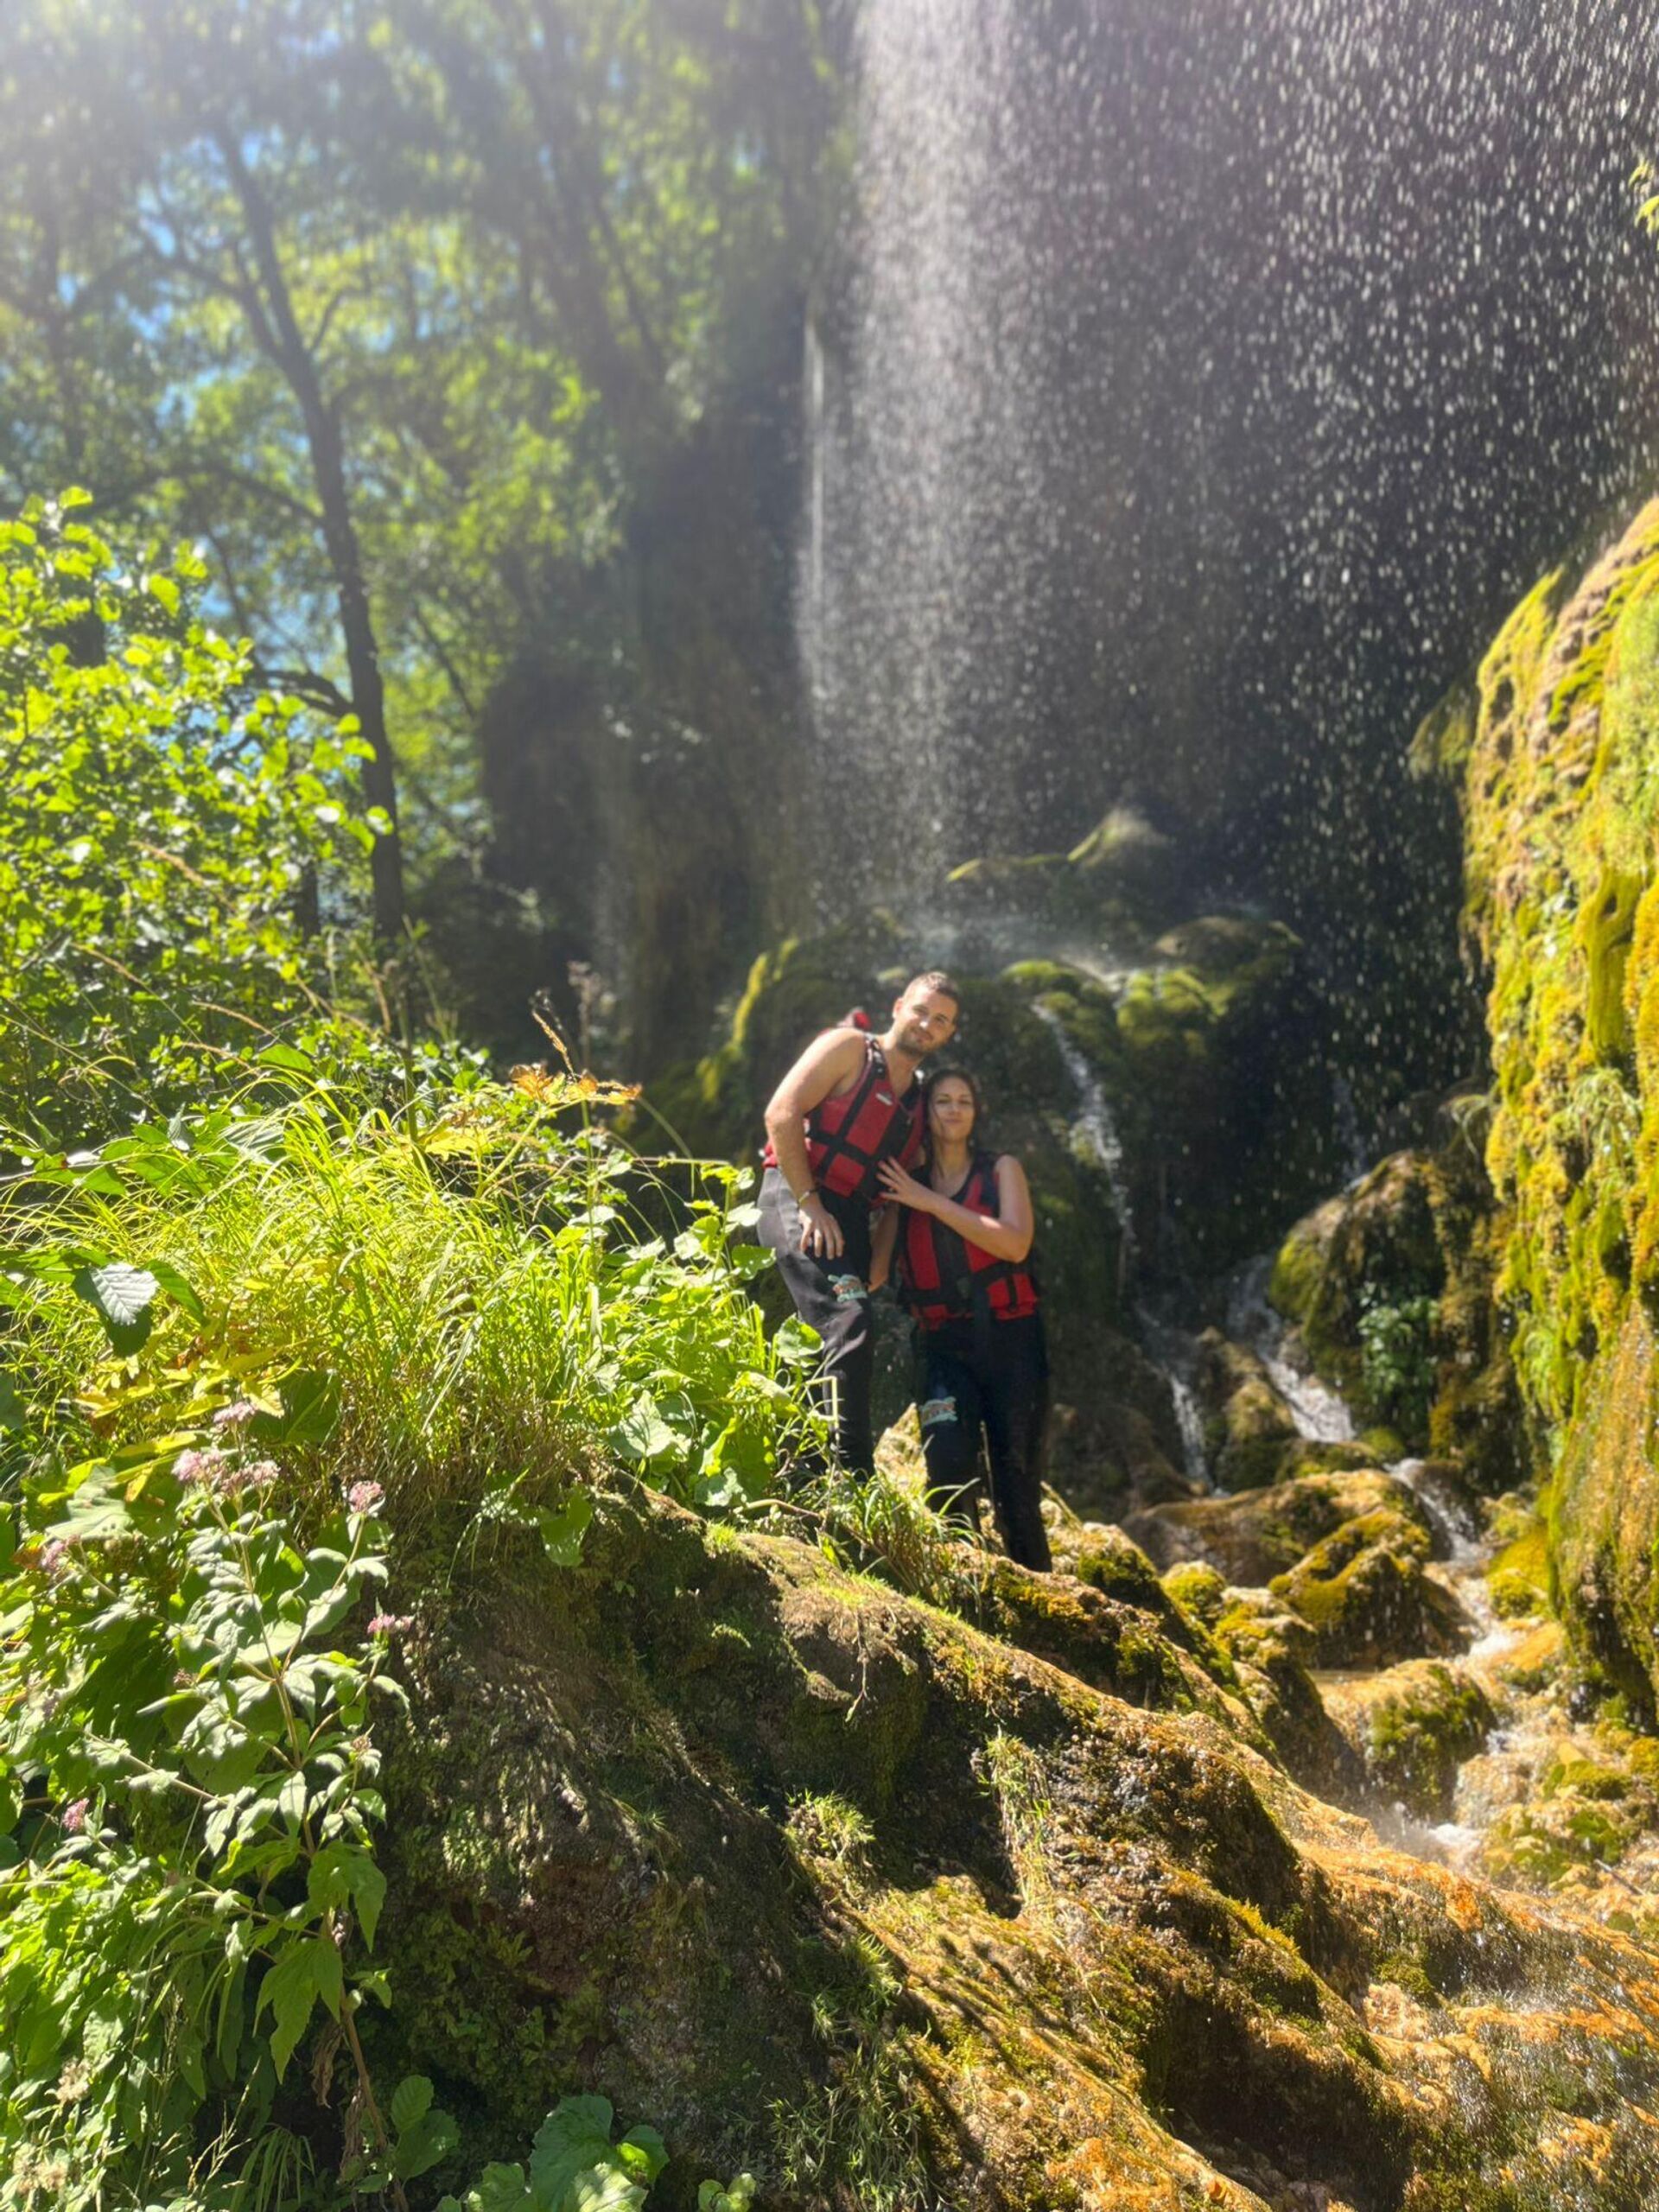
<point>831,1128</point>
<point>962,1290</point>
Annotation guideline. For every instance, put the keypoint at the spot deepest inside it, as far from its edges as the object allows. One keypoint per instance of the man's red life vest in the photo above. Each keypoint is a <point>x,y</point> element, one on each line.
<point>848,1137</point>
<point>944,1276</point>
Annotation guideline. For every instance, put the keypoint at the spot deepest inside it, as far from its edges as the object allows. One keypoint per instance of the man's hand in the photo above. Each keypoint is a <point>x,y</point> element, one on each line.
<point>820,1230</point>
<point>903,1187</point>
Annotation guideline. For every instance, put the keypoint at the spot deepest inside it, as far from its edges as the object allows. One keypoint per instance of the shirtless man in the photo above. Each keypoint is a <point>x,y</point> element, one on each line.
<point>849,1102</point>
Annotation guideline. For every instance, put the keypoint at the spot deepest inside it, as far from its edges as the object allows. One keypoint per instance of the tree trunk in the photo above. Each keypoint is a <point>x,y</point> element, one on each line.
<point>277,329</point>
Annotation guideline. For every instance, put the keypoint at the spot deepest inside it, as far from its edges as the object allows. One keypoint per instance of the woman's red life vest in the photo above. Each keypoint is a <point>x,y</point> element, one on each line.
<point>946,1277</point>
<point>848,1137</point>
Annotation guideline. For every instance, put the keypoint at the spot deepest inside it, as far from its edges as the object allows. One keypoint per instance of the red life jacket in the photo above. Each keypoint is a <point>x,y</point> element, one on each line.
<point>848,1137</point>
<point>944,1276</point>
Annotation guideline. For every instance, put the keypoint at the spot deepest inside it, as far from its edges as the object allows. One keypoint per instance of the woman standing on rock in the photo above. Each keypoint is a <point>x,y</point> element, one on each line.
<point>962,1232</point>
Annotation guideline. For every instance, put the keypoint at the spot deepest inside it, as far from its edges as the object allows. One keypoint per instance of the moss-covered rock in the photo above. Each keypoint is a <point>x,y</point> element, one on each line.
<point>1553,764</point>
<point>1271,1648</point>
<point>1249,1432</point>
<point>1365,1595</point>
<point>1412,1726</point>
<point>1259,1534</point>
<point>832,1885</point>
<point>1389,1288</point>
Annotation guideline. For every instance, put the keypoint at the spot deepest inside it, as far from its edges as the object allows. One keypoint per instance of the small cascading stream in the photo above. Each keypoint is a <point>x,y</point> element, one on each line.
<point>1096,1126</point>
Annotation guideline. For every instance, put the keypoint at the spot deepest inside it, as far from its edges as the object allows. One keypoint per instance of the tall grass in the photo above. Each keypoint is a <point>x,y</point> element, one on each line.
<point>503,1294</point>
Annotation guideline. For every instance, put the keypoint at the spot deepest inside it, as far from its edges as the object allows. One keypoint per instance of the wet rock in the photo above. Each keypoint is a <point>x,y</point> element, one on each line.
<point>1390,1289</point>
<point>1584,1811</point>
<point>1259,1534</point>
<point>1367,1597</point>
<point>824,1874</point>
<point>1114,1443</point>
<point>1412,1726</point>
<point>1251,1436</point>
<point>1271,1648</point>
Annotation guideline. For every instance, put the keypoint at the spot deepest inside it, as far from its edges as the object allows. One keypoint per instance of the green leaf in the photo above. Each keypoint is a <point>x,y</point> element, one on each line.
<point>500,2189</point>
<point>737,2196</point>
<point>310,1411</point>
<point>423,2146</point>
<point>410,2101</point>
<point>291,1990</point>
<point>642,1434</point>
<point>122,1297</point>
<point>564,1529</point>
<point>574,2136</point>
<point>645,2152</point>
<point>342,1873</point>
<point>285,1058</point>
<point>174,1284</point>
<point>604,2189</point>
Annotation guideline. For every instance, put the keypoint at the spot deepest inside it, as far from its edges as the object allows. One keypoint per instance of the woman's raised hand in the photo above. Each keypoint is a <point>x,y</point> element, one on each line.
<point>897,1184</point>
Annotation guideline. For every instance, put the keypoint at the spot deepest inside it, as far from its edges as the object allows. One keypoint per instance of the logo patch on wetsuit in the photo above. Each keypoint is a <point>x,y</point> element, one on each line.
<point>937,1411</point>
<point>848,1286</point>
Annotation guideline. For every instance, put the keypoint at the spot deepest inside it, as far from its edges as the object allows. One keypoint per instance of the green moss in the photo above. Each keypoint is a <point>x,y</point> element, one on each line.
<point>1363,1593</point>
<point>1560,798</point>
<point>1198,1591</point>
<point>1415,1725</point>
<point>1518,1578</point>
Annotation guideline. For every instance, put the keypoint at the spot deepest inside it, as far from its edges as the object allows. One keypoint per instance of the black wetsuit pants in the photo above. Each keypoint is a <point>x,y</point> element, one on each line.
<point>988,1379</point>
<point>833,1296</point>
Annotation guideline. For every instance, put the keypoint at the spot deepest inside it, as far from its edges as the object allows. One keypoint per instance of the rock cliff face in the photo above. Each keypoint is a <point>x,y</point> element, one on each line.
<point>1552,751</point>
<point>997,1898</point>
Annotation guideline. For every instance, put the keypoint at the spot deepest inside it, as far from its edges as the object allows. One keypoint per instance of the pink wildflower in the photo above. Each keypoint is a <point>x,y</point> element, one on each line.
<point>74,1817</point>
<point>261,1472</point>
<point>52,1558</point>
<point>235,1415</point>
<point>203,1467</point>
<point>362,1498</point>
<point>391,1623</point>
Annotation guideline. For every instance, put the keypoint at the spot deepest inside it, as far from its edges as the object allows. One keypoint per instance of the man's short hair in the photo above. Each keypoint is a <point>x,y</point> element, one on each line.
<point>936,980</point>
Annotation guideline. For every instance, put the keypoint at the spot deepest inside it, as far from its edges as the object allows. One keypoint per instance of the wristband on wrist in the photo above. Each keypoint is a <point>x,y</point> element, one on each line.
<point>801,1197</point>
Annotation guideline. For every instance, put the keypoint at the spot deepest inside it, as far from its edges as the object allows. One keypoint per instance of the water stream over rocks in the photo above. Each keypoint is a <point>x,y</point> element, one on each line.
<point>1521,1806</point>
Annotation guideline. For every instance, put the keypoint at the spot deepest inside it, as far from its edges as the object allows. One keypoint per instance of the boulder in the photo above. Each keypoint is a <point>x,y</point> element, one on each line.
<point>1262,1533</point>
<point>1366,1596</point>
<point>1412,1727</point>
<point>1390,1289</point>
<point>1271,1648</point>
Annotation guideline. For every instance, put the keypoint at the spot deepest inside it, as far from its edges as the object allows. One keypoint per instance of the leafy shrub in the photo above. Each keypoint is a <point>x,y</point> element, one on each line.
<point>171,836</point>
<point>240,1343</point>
<point>491,1298</point>
<point>1397,1366</point>
<point>187,1796</point>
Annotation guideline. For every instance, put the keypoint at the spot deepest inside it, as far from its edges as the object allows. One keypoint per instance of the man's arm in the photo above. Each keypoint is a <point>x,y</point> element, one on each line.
<point>825,1067</point>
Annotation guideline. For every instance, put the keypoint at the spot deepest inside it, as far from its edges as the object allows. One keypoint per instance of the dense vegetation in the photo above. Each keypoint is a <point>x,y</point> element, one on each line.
<point>320,1316</point>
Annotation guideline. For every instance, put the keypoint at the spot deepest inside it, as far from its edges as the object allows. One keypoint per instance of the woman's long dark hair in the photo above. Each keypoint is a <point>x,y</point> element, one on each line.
<point>976,1140</point>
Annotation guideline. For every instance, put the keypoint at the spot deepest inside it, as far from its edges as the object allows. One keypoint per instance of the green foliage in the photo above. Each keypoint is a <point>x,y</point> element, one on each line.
<point>189,1774</point>
<point>460,1311</point>
<point>1398,1361</point>
<point>574,2167</point>
<point>737,2196</point>
<point>162,823</point>
<point>468,1309</point>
